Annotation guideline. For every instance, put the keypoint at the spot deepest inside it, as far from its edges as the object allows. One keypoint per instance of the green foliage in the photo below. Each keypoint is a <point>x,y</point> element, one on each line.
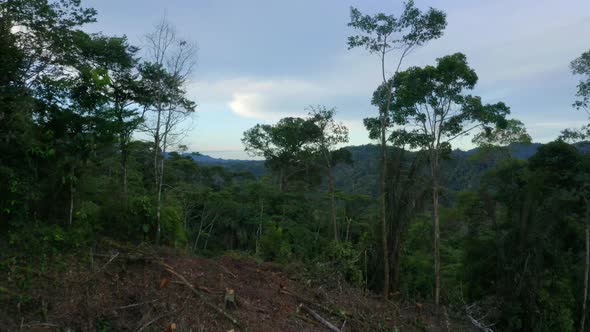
<point>71,174</point>
<point>382,32</point>
<point>416,260</point>
<point>581,66</point>
<point>173,230</point>
<point>274,245</point>
<point>288,148</point>
<point>347,260</point>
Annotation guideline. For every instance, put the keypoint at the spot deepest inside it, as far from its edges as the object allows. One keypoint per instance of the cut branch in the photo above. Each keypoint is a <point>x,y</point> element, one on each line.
<point>201,296</point>
<point>320,318</point>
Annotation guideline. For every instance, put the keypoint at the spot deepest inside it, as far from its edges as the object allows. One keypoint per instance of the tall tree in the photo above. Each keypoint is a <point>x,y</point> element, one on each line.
<point>330,135</point>
<point>120,60</point>
<point>383,34</point>
<point>583,191</point>
<point>163,94</point>
<point>432,104</point>
<point>581,66</point>
<point>39,49</point>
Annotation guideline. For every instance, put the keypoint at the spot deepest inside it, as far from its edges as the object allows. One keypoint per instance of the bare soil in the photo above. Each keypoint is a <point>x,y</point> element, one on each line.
<point>120,290</point>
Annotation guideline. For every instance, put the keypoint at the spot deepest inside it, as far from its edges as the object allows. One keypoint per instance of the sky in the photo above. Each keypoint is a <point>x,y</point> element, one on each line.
<point>261,60</point>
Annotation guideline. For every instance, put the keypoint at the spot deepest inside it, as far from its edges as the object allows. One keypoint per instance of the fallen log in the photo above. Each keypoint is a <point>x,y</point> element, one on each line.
<point>319,318</point>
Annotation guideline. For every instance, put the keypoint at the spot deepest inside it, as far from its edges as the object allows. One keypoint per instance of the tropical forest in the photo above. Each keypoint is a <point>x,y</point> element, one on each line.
<point>408,181</point>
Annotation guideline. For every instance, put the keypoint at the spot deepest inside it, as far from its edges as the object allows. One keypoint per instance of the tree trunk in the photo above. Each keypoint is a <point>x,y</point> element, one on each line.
<point>434,170</point>
<point>124,158</point>
<point>71,212</point>
<point>348,221</point>
<point>383,211</point>
<point>160,184</point>
<point>383,176</point>
<point>259,231</point>
<point>333,202</point>
<point>159,211</point>
<point>585,296</point>
<point>198,236</point>
<point>395,258</point>
<point>124,139</point>
<point>436,243</point>
<point>157,157</point>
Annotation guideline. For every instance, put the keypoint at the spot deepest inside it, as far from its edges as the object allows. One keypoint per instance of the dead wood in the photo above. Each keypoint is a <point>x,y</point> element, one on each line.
<point>95,274</point>
<point>336,312</point>
<point>136,304</point>
<point>319,318</point>
<point>153,321</point>
<point>202,288</point>
<point>226,270</point>
<point>203,298</point>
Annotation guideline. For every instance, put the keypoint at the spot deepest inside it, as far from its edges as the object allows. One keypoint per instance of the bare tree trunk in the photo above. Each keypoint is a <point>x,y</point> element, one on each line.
<point>195,246</point>
<point>333,202</point>
<point>395,258</point>
<point>383,216</point>
<point>124,161</point>
<point>259,231</point>
<point>585,297</point>
<point>159,210</point>
<point>161,177</point>
<point>125,185</point>
<point>436,243</point>
<point>71,213</point>
<point>208,236</point>
<point>348,221</point>
<point>157,156</point>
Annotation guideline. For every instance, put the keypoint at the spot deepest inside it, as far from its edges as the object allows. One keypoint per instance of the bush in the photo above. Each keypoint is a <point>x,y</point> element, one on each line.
<point>173,232</point>
<point>274,245</point>
<point>344,258</point>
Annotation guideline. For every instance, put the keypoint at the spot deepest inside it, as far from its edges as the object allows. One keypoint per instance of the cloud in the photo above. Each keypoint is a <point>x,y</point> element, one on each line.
<point>514,65</point>
<point>273,99</point>
<point>270,99</point>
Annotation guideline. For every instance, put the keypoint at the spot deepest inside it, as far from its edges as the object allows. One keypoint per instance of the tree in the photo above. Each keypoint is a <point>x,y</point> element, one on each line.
<point>287,147</point>
<point>330,135</point>
<point>432,105</point>
<point>163,93</point>
<point>120,60</point>
<point>581,66</point>
<point>583,191</point>
<point>40,47</point>
<point>382,34</point>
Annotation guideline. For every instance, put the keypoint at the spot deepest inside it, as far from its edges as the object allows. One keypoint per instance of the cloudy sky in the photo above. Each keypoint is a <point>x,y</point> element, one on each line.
<point>260,60</point>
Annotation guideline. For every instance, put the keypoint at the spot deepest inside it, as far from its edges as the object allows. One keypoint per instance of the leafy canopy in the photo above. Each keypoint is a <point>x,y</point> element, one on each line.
<point>433,107</point>
<point>382,32</point>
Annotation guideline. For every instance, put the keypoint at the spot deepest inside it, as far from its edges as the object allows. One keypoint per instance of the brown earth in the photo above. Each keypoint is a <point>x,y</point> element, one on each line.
<point>121,290</point>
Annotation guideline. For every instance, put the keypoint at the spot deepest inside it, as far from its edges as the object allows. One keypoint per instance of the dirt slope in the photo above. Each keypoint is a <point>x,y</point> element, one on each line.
<point>135,291</point>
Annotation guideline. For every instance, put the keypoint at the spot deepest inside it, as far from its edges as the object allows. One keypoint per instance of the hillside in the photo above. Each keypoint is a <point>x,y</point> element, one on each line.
<point>462,170</point>
<point>121,289</point>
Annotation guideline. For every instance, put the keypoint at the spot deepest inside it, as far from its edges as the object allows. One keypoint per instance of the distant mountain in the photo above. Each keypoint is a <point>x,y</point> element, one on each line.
<point>201,158</point>
<point>461,172</point>
<point>519,151</point>
<point>255,167</point>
